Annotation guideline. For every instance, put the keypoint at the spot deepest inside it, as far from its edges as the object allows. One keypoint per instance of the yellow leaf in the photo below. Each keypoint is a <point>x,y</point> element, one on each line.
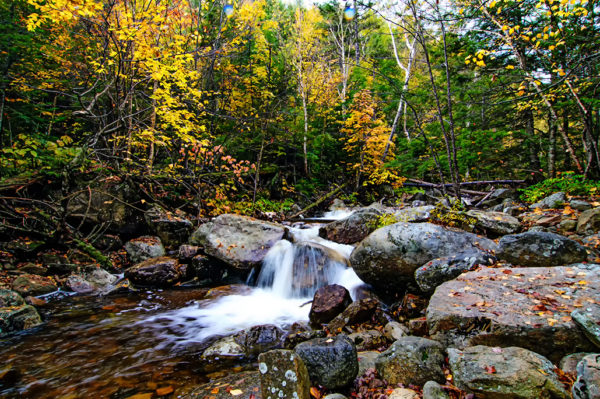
<point>510,67</point>
<point>236,392</point>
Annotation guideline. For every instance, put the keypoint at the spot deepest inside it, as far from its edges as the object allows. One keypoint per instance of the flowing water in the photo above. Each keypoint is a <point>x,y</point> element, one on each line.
<point>118,346</point>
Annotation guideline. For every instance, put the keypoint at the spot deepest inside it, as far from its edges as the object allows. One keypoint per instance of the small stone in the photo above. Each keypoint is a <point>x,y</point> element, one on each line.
<point>403,393</point>
<point>357,312</point>
<point>283,375</point>
<point>187,252</point>
<point>567,225</point>
<point>143,248</point>
<point>418,327</point>
<point>433,390</point>
<point>394,330</point>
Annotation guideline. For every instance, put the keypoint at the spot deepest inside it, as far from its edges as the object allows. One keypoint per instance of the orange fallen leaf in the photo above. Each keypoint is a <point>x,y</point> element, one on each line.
<point>141,396</point>
<point>164,390</point>
<point>315,393</point>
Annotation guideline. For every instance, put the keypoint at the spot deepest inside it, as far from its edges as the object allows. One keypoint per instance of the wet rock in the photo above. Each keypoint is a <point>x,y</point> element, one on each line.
<point>369,339</point>
<point>433,390</point>
<point>156,272</point>
<point>540,249</point>
<point>143,248</point>
<point>335,396</point>
<point>223,353</point>
<point>555,200</point>
<point>587,385</point>
<point>388,257</point>
<point>504,373</point>
<point>580,205</point>
<point>331,362</point>
<point>587,318</point>
<point>394,330</point>
<point>10,298</point>
<point>549,220</point>
<point>17,318</point>
<point>328,302</point>
<point>294,338</point>
<point>437,271</point>
<point>77,283</point>
<point>34,285</point>
<point>366,360</point>
<point>412,360</point>
<point>525,307</point>
<point>403,393</point>
<point>93,280</point>
<point>495,222</point>
<point>187,252</point>
<point>260,339</point>
<point>418,327</point>
<point>415,214</point>
<point>568,364</point>
<point>100,277</point>
<point>353,228</point>
<point>108,242</point>
<point>357,312</point>
<point>589,222</point>
<point>172,229</point>
<point>245,385</point>
<point>239,241</point>
<point>283,375</point>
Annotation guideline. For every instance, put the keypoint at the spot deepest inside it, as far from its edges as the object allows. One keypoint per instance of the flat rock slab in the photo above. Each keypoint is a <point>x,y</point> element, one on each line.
<point>525,307</point>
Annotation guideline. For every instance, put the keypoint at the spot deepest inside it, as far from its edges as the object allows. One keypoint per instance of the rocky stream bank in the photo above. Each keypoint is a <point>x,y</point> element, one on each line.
<point>506,306</point>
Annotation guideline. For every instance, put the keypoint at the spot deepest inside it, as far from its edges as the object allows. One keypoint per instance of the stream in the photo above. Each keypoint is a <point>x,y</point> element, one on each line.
<point>122,345</point>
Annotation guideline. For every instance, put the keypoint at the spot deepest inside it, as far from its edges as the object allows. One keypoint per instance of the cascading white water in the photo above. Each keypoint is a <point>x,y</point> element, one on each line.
<point>290,275</point>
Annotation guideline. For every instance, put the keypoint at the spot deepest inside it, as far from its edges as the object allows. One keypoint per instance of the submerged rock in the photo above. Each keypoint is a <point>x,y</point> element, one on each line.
<point>511,373</point>
<point>331,362</point>
<point>143,248</point>
<point>283,375</point>
<point>525,307</point>
<point>239,241</point>
<point>388,257</point>
<point>412,360</point>
<point>157,272</point>
<point>535,248</point>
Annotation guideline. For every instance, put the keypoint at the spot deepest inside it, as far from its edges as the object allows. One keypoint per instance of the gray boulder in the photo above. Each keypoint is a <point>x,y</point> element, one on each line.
<point>511,373</point>
<point>239,241</point>
<point>589,222</point>
<point>587,318</point>
<point>569,363</point>
<point>388,257</point>
<point>437,271</point>
<point>156,272</point>
<point>555,200</point>
<point>172,229</point>
<point>412,360</point>
<point>353,228</point>
<point>283,375</point>
<point>535,248</point>
<point>331,362</point>
<point>33,285</point>
<point>495,222</point>
<point>414,214</point>
<point>524,307</point>
<point>143,248</point>
<point>587,385</point>
<point>580,205</point>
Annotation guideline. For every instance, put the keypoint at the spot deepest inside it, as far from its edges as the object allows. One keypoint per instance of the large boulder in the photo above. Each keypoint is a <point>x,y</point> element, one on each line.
<point>388,257</point>
<point>331,362</point>
<point>412,360</point>
<point>239,241</point>
<point>143,248</point>
<point>352,228</point>
<point>536,248</point>
<point>505,373</point>
<point>414,214</point>
<point>495,222</point>
<point>328,302</point>
<point>155,272</point>
<point>587,385</point>
<point>589,222</point>
<point>437,271</point>
<point>172,229</point>
<point>525,307</point>
<point>283,375</point>
<point>259,339</point>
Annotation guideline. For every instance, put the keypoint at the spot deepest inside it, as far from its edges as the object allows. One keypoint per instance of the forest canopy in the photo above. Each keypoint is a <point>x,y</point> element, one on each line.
<point>238,102</point>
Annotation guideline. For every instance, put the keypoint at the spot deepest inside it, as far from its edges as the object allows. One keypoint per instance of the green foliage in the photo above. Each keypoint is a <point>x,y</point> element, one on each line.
<point>384,220</point>
<point>453,216</point>
<point>568,182</point>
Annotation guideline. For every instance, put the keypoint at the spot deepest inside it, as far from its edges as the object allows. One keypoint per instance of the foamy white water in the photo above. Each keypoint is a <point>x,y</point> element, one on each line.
<point>289,277</point>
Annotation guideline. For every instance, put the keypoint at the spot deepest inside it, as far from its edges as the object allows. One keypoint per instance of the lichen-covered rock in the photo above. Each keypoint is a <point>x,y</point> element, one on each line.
<point>388,257</point>
<point>156,272</point>
<point>437,271</point>
<point>495,222</point>
<point>552,201</point>
<point>10,298</point>
<point>587,385</point>
<point>511,373</point>
<point>239,241</point>
<point>414,214</point>
<point>587,318</point>
<point>172,229</point>
<point>283,375</point>
<point>535,248</point>
<point>589,221</point>
<point>352,228</point>
<point>412,360</point>
<point>331,362</point>
<point>143,248</point>
<point>328,302</point>
<point>32,284</point>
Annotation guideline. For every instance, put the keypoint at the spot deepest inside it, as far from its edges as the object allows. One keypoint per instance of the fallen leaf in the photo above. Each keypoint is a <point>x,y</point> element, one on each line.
<point>314,392</point>
<point>215,391</point>
<point>141,396</point>
<point>490,369</point>
<point>236,392</point>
